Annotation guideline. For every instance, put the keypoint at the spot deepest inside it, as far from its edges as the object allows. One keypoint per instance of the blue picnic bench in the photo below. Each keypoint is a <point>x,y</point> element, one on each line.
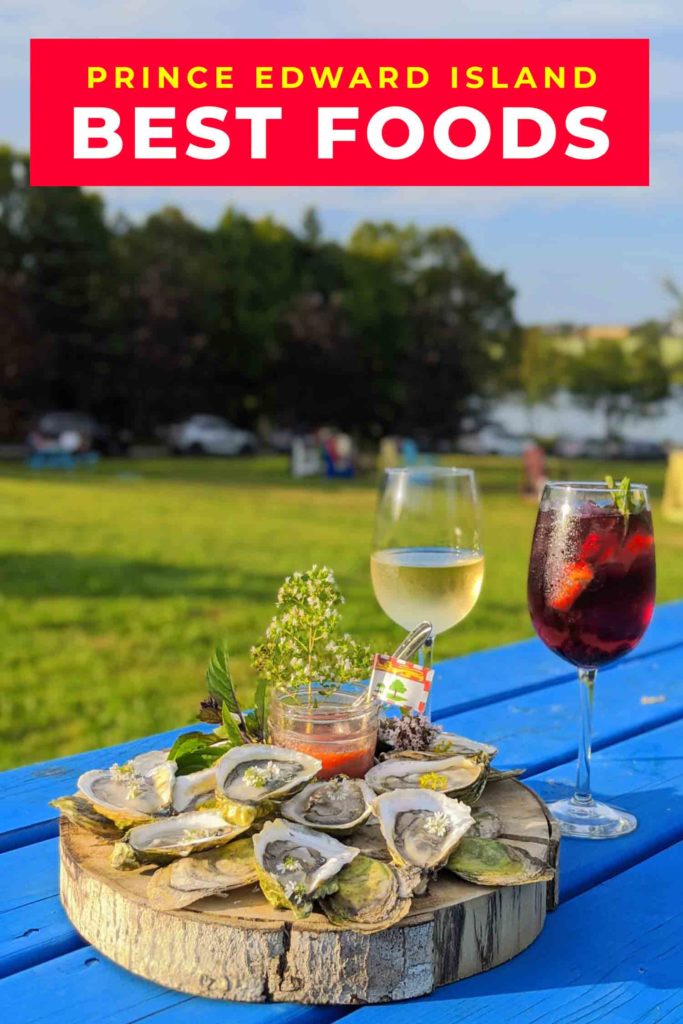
<point>613,951</point>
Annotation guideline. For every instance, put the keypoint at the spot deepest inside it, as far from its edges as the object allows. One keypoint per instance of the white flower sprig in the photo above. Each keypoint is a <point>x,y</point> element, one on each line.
<point>304,643</point>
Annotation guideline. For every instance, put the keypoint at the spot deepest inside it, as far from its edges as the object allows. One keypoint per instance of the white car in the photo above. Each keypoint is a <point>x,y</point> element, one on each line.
<point>492,440</point>
<point>210,435</point>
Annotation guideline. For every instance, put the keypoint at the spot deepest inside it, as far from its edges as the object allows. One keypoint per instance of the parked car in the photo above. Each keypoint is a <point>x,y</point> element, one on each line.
<point>84,432</point>
<point>209,435</point>
<point>492,440</point>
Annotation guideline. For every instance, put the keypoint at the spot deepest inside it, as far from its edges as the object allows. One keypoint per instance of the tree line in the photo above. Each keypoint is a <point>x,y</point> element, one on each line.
<point>142,323</point>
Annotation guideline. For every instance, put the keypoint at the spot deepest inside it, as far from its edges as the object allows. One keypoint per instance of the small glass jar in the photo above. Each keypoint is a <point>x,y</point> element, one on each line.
<point>338,726</point>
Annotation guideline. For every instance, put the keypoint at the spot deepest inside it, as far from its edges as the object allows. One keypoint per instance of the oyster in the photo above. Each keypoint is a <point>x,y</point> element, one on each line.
<point>82,813</point>
<point>369,897</point>
<point>296,864</point>
<point>447,743</point>
<point>159,842</point>
<point>251,780</point>
<point>194,790</point>
<point>487,824</point>
<point>458,776</point>
<point>211,873</point>
<point>500,774</point>
<point>421,827</point>
<point>131,793</point>
<point>337,806</point>
<point>490,862</point>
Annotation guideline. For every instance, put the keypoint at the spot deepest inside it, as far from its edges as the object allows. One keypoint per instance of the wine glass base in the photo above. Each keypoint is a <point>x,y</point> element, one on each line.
<point>591,819</point>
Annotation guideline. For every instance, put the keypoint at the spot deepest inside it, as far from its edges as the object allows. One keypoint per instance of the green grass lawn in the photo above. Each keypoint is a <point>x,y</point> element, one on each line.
<point>116,582</point>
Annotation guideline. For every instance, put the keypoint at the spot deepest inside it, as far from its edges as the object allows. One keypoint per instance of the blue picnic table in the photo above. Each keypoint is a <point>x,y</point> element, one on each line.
<point>613,950</point>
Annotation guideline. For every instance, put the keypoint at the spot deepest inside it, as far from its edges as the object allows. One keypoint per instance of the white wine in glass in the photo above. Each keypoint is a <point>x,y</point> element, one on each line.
<point>439,584</point>
<point>427,560</point>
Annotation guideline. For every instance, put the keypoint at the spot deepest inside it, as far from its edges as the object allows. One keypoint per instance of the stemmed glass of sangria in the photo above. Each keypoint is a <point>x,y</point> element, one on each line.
<point>591,592</point>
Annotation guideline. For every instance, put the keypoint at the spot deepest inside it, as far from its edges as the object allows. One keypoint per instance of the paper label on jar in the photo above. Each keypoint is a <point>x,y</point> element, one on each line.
<point>401,682</point>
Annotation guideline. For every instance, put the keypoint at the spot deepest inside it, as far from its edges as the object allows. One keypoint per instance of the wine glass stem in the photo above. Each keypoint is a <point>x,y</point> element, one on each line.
<point>583,774</point>
<point>425,657</point>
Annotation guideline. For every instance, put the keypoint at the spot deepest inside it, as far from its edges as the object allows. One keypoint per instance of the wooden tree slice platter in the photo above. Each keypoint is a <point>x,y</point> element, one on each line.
<point>240,948</point>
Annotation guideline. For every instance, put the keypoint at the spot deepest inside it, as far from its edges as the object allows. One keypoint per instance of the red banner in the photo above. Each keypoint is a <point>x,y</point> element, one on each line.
<point>339,112</point>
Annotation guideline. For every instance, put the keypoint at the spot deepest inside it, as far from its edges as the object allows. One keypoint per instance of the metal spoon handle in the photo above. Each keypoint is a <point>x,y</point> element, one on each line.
<point>415,639</point>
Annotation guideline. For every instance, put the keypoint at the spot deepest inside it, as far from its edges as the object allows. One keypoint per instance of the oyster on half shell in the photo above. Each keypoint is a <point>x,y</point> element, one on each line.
<point>131,793</point>
<point>490,862</point>
<point>81,812</point>
<point>447,743</point>
<point>159,842</point>
<point>253,779</point>
<point>421,827</point>
<point>458,776</point>
<point>211,873</point>
<point>191,791</point>
<point>296,864</point>
<point>337,806</point>
<point>369,897</point>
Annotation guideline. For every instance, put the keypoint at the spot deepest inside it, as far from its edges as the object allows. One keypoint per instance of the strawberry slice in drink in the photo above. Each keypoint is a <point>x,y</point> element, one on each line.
<point>574,580</point>
<point>639,543</point>
<point>599,546</point>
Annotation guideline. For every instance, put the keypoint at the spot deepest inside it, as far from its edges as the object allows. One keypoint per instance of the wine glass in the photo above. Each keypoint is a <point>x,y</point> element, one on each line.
<point>591,594</point>
<point>427,559</point>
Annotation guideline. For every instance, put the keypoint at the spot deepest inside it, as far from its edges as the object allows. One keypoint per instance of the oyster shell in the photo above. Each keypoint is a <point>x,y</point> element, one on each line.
<point>459,776</point>
<point>159,842</point>
<point>490,862</point>
<point>296,864</point>
<point>421,827</point>
<point>192,791</point>
<point>211,873</point>
<point>369,897</point>
<point>131,793</point>
<point>253,779</point>
<point>500,774</point>
<point>448,743</point>
<point>81,812</point>
<point>336,806</point>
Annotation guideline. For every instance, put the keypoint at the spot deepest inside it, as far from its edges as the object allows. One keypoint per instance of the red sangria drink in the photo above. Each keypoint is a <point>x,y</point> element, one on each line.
<point>592,581</point>
<point>591,593</point>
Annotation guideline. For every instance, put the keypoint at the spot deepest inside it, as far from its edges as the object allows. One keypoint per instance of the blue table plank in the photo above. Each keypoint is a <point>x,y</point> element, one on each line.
<point>463,683</point>
<point>84,986</point>
<point>613,954</point>
<point>516,669</point>
<point>643,775</point>
<point>538,730</point>
<point>33,926</point>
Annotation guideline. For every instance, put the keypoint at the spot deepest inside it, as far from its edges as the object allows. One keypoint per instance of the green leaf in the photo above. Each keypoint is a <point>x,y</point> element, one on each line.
<point>189,741</point>
<point>623,499</point>
<point>194,751</point>
<point>219,681</point>
<point>230,728</point>
<point>252,722</point>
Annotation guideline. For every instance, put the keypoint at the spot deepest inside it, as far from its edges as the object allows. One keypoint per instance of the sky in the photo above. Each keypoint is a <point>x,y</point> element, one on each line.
<point>586,255</point>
